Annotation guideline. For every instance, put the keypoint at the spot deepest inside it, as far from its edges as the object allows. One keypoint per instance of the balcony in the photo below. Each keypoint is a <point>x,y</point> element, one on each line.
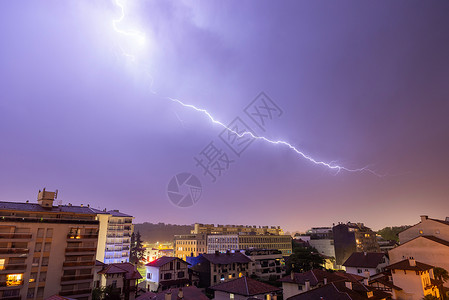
<point>18,268</point>
<point>15,251</point>
<point>23,236</point>
<point>76,278</point>
<point>82,237</point>
<point>80,249</point>
<point>75,292</point>
<point>78,264</point>
<point>11,283</point>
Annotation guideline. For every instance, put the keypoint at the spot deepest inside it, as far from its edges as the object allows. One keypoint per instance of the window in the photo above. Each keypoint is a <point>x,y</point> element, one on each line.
<point>40,233</point>
<point>114,284</point>
<point>14,279</point>
<point>178,265</point>
<point>2,264</point>
<point>420,232</point>
<point>44,261</point>
<point>40,292</point>
<point>359,271</point>
<point>43,277</point>
<point>30,293</point>
<point>231,296</point>
<point>38,247</point>
<point>148,275</point>
<point>47,247</point>
<point>180,274</point>
<point>215,278</point>
<point>171,265</point>
<point>167,276</point>
<point>49,232</point>
<point>33,277</point>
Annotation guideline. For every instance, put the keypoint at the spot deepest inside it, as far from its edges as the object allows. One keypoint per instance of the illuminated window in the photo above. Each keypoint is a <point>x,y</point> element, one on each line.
<point>2,264</point>
<point>14,279</point>
<point>420,232</point>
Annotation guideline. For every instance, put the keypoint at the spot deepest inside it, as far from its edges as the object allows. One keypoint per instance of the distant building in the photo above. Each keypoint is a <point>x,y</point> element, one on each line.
<point>46,249</point>
<point>166,273</point>
<point>219,267</point>
<point>114,238</point>
<point>353,237</point>
<point>428,227</point>
<point>414,278</point>
<point>243,241</point>
<point>266,264</point>
<point>243,288</point>
<point>366,263</point>
<point>233,229</point>
<point>122,277</point>
<point>190,245</point>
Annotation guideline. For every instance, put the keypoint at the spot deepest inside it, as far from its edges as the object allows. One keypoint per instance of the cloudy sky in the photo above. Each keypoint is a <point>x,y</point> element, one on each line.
<point>85,107</point>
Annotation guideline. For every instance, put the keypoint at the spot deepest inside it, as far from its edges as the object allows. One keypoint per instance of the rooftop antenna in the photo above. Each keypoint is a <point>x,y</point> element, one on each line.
<point>56,194</point>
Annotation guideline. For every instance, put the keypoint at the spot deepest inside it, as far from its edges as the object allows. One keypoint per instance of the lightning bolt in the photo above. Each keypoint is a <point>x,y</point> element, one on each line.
<point>330,165</point>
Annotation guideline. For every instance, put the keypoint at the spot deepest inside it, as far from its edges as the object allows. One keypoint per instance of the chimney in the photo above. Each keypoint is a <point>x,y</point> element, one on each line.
<point>424,217</point>
<point>412,262</point>
<point>366,275</point>
<point>45,199</point>
<point>366,282</point>
<point>325,280</point>
<point>307,284</point>
<point>431,274</point>
<point>348,284</point>
<point>268,297</point>
<point>275,297</point>
<point>167,296</point>
<point>447,219</point>
<point>180,294</point>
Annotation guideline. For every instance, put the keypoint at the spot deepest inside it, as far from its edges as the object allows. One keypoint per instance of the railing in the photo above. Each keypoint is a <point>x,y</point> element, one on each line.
<point>80,249</point>
<point>75,292</point>
<point>76,277</point>
<point>13,267</point>
<point>11,283</point>
<point>15,235</point>
<point>14,251</point>
<point>78,264</point>
<point>85,236</point>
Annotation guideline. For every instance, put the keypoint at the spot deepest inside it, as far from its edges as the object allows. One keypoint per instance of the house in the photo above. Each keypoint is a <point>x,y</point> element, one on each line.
<point>426,227</point>
<point>184,293</point>
<point>342,290</point>
<point>366,263</point>
<point>242,288</point>
<point>165,273</point>
<point>219,267</point>
<point>297,283</point>
<point>426,249</point>
<point>415,279</point>
<point>122,277</point>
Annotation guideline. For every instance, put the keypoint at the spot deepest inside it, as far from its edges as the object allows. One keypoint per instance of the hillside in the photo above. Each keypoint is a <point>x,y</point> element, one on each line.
<point>160,232</point>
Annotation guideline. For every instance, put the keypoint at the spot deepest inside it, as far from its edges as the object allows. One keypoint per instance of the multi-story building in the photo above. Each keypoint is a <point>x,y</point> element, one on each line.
<point>166,273</point>
<point>266,264</point>
<point>230,229</point>
<point>219,267</point>
<point>46,249</point>
<point>427,242</point>
<point>114,238</point>
<point>350,238</point>
<point>189,245</point>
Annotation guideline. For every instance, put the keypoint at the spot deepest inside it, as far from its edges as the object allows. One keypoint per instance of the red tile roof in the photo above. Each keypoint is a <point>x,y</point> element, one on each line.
<point>364,259</point>
<point>119,268</point>
<point>314,276</point>
<point>164,260</point>
<point>245,286</point>
<point>405,265</point>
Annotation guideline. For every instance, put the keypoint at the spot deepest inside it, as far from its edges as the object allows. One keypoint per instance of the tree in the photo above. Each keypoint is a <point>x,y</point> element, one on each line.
<point>136,253</point>
<point>106,293</point>
<point>442,275</point>
<point>304,259</point>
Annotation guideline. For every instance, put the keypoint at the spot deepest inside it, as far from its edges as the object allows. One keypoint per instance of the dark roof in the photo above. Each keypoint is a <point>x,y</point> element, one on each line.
<point>440,221</point>
<point>314,276</point>
<point>245,286</point>
<point>364,259</point>
<point>116,213</point>
<point>405,265</point>
<point>164,260</point>
<point>226,258</point>
<point>385,281</point>
<point>99,263</point>
<point>435,239</point>
<point>189,293</point>
<point>348,276</point>
<point>35,207</point>
<point>338,291</point>
<point>121,268</point>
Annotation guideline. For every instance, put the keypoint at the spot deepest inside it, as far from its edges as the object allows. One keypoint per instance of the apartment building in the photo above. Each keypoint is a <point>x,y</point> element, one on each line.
<point>230,229</point>
<point>352,237</point>
<point>189,245</point>
<point>266,264</point>
<point>114,238</point>
<point>46,249</point>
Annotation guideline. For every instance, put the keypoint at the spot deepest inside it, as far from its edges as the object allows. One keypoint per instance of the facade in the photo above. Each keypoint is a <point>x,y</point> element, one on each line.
<point>414,278</point>
<point>166,273</point>
<point>353,237</point>
<point>122,277</point>
<point>47,250</point>
<point>114,238</point>
<point>266,264</point>
<point>219,267</point>
<point>244,288</point>
<point>185,293</point>
<point>428,227</point>
<point>233,229</point>
<point>366,263</point>
<point>222,243</point>
<point>189,245</point>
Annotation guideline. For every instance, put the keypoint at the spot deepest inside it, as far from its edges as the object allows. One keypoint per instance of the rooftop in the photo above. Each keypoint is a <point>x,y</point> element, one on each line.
<point>128,269</point>
<point>245,286</point>
<point>409,264</point>
<point>226,258</point>
<point>163,260</point>
<point>364,259</point>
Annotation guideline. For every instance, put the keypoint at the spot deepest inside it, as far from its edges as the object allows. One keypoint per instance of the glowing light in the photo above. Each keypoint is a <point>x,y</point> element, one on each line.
<point>140,38</point>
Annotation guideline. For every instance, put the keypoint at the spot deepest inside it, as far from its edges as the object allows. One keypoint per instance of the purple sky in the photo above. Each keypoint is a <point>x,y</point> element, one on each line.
<point>360,83</point>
